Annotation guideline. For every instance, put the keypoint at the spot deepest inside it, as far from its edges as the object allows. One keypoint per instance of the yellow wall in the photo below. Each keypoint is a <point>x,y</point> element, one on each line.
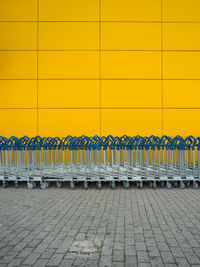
<point>99,67</point>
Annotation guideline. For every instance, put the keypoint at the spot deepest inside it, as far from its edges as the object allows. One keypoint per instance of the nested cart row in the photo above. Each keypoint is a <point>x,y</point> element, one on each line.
<point>151,160</point>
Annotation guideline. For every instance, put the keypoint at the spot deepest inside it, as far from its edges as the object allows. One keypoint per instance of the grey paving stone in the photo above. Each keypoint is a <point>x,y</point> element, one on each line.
<point>25,252</point>
<point>117,264</point>
<point>182,262</point>
<point>70,256</point>
<point>170,265</point>
<point>101,264</point>
<point>192,258</point>
<point>118,256</point>
<point>185,247</point>
<point>107,251</point>
<point>104,260</point>
<point>80,262</point>
<point>143,257</point>
<point>136,227</point>
<point>177,252</point>
<point>20,246</point>
<point>55,244</point>
<point>15,262</point>
<point>41,263</point>
<point>130,250</point>
<point>162,246</point>
<point>140,246</point>
<point>9,256</point>
<point>34,243</point>
<point>48,253</point>
<point>167,257</point>
<point>66,263</point>
<point>55,260</point>
<point>92,264</point>
<point>31,259</point>
<point>156,261</point>
<point>131,260</point>
<point>64,246</point>
<point>40,248</point>
<point>129,241</point>
<point>5,250</point>
<point>118,246</point>
<point>144,265</point>
<point>154,252</point>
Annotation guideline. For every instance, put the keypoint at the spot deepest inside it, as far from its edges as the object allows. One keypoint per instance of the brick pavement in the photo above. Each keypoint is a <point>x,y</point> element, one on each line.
<point>130,227</point>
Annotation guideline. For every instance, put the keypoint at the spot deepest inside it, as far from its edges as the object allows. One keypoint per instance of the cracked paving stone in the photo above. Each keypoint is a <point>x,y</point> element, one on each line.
<point>86,246</point>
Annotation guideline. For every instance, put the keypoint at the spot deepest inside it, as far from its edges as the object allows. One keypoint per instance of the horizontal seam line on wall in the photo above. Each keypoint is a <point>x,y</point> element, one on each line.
<point>96,79</point>
<point>96,21</point>
<point>106,108</point>
<point>98,50</point>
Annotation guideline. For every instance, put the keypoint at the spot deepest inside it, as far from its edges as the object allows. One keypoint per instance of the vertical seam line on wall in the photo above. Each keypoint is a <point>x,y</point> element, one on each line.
<point>100,62</point>
<point>162,62</point>
<point>37,65</point>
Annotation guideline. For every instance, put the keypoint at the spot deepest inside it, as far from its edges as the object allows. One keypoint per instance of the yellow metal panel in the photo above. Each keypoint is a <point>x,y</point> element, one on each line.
<point>181,121</point>
<point>70,10</point>
<point>18,36</point>
<point>18,64</point>
<point>181,65</point>
<point>131,94</point>
<point>131,10</point>
<point>128,64</point>
<point>18,94</point>
<point>179,10</point>
<point>18,122</point>
<point>73,106</point>
<point>131,36</point>
<point>181,93</point>
<point>68,64</point>
<point>131,121</point>
<point>69,94</point>
<point>18,10</point>
<point>68,35</point>
<point>181,36</point>
<point>62,122</point>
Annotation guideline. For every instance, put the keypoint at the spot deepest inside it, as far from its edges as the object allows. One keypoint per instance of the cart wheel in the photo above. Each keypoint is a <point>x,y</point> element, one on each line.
<point>188,183</point>
<point>139,184</point>
<point>169,185</point>
<point>72,185</point>
<point>195,185</point>
<point>44,185</point>
<point>126,185</point>
<point>99,185</point>
<point>162,184</point>
<point>112,185</point>
<point>85,184</point>
<point>59,184</point>
<point>182,185</point>
<point>4,184</point>
<point>154,185</point>
<point>30,185</point>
